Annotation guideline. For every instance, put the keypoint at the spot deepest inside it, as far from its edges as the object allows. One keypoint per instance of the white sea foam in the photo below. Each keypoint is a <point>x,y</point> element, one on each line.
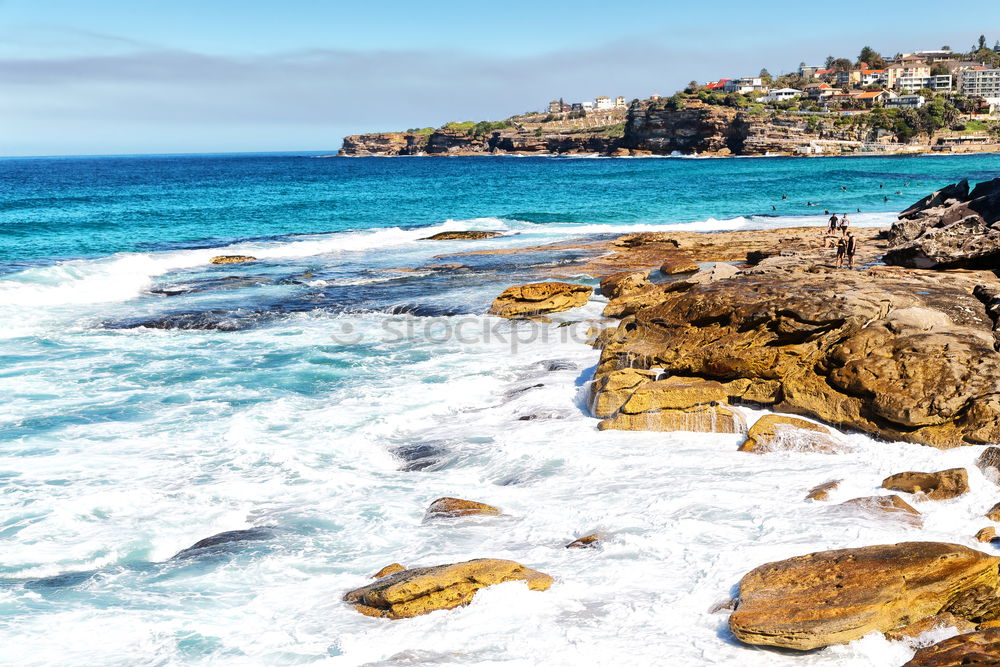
<point>237,446</point>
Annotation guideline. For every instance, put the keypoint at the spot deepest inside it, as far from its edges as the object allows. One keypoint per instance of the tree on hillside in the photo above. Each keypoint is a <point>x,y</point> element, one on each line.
<point>982,42</point>
<point>842,65</point>
<point>872,57</point>
<point>939,70</point>
<point>946,48</point>
<point>692,87</point>
<point>829,62</point>
<point>765,76</point>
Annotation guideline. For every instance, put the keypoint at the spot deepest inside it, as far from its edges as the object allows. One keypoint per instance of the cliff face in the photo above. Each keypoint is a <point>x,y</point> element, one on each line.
<point>698,128</point>
<point>650,128</point>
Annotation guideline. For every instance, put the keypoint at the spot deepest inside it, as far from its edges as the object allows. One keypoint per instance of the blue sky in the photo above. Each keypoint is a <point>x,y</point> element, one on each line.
<point>110,76</point>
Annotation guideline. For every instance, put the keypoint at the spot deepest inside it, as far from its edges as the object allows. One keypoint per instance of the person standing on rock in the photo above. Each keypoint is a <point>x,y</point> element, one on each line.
<point>851,247</point>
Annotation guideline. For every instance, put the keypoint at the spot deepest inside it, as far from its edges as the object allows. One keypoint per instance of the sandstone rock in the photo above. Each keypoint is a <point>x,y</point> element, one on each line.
<point>776,433</point>
<point>822,491</point>
<point>763,392</point>
<point>425,589</point>
<point>586,542</point>
<point>679,263</point>
<point>621,284</point>
<point>676,404</point>
<point>539,298</point>
<point>610,391</point>
<point>941,485</point>
<point>857,355</point>
<point>454,507</point>
<point>892,507</point>
<point>973,649</point>
<point>989,463</point>
<point>462,236</point>
<point>994,513</point>
<point>832,597</point>
<point>986,534</point>
<point>232,259</point>
<point>392,568</point>
<point>951,228</point>
<point>943,620</point>
<point>958,191</point>
<point>718,271</point>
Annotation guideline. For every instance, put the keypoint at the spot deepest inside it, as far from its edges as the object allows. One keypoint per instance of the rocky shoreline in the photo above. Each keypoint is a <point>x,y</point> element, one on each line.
<point>653,129</point>
<point>698,326</point>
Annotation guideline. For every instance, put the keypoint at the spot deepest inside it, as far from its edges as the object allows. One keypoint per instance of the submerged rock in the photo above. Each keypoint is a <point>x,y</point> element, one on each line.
<point>776,432</point>
<point>586,542</point>
<point>462,236</point>
<point>676,404</point>
<point>425,589</point>
<point>232,259</point>
<point>833,597</point>
<point>822,491</point>
<point>987,534</point>
<point>942,620</point>
<point>941,485</point>
<point>230,537</point>
<point>994,513</point>
<point>391,568</point>
<point>455,507</point>
<point>539,299</point>
<point>973,649</point>
<point>989,463</point>
<point>892,507</point>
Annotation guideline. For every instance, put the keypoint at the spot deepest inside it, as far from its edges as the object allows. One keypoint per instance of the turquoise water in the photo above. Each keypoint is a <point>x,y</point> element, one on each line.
<point>325,394</point>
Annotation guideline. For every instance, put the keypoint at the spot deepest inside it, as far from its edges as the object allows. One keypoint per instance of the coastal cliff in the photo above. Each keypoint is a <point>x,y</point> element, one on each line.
<point>647,128</point>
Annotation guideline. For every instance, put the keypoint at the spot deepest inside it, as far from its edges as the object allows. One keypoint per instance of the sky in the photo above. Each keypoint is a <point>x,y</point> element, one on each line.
<point>101,77</point>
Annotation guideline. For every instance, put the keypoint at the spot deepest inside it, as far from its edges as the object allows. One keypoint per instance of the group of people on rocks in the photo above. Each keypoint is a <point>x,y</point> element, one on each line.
<point>846,243</point>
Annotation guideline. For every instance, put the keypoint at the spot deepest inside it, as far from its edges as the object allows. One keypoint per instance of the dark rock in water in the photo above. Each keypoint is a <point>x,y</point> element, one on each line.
<point>424,310</point>
<point>989,463</point>
<point>558,365</point>
<point>461,236</point>
<point>951,228</point>
<point>224,283</point>
<point>224,539</point>
<point>64,580</point>
<point>520,390</point>
<point>209,320</point>
<point>420,456</point>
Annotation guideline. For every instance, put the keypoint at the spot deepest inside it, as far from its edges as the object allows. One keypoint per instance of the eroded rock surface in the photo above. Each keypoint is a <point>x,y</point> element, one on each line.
<point>232,259</point>
<point>462,236</point>
<point>539,299</point>
<point>422,590</point>
<point>973,649</point>
<point>455,507</point>
<point>940,485</point>
<point>776,433</point>
<point>675,404</point>
<point>832,597</point>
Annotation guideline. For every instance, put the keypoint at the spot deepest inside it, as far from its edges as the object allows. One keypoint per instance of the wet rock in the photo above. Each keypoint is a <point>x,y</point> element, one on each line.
<point>892,507</point>
<point>621,284</point>
<point>420,456</point>
<point>942,620</point>
<point>676,404</point>
<point>973,649</point>
<point>232,259</point>
<point>679,263</point>
<point>760,392</point>
<point>858,356</point>
<point>833,597</point>
<point>941,485</point>
<point>462,236</point>
<point>225,540</point>
<point>587,542</point>
<point>780,433</point>
<point>425,589</point>
<point>987,534</point>
<point>994,513</point>
<point>391,568</point>
<point>455,507</point>
<point>989,463</point>
<point>822,491</point>
<point>539,298</point>
<point>610,391</point>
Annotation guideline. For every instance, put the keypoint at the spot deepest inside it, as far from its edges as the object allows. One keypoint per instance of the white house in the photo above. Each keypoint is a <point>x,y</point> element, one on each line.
<point>620,102</point>
<point>781,95</point>
<point>905,102</point>
<point>603,103</point>
<point>587,106</point>
<point>747,84</point>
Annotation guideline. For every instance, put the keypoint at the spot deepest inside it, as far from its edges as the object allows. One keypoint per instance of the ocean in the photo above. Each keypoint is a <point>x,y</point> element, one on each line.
<point>328,392</point>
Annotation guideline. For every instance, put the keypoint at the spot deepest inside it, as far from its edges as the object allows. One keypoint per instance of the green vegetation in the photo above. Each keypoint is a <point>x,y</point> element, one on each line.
<point>420,131</point>
<point>479,129</point>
